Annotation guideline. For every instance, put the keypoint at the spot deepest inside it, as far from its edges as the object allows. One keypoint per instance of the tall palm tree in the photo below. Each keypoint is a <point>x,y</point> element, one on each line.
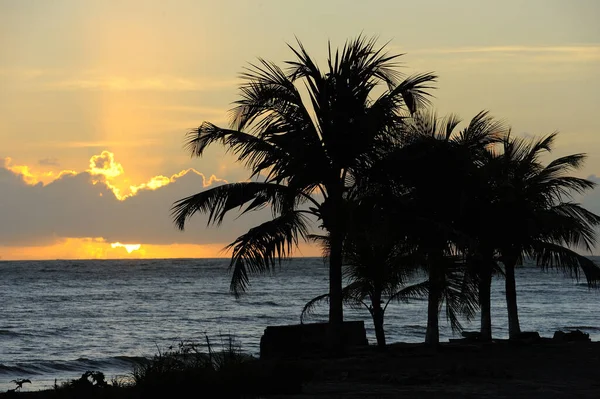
<point>431,177</point>
<point>304,154</point>
<point>464,213</point>
<point>535,215</point>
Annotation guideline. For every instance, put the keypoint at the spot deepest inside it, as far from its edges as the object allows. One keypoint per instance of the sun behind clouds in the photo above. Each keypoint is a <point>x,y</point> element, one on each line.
<point>104,169</point>
<point>128,247</point>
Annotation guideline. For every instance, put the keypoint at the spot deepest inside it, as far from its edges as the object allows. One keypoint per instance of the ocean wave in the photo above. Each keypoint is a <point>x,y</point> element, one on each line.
<point>265,303</point>
<point>116,363</point>
<point>13,334</point>
<point>582,328</point>
<point>414,328</point>
<point>16,370</point>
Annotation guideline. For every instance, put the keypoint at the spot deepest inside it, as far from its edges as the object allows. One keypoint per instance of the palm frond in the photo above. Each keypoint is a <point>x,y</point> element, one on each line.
<point>219,200</point>
<point>270,101</point>
<point>553,256</point>
<point>566,164</point>
<point>412,93</point>
<point>258,250</point>
<point>252,151</point>
<point>482,131</point>
<point>459,292</point>
<point>415,291</point>
<point>571,224</point>
<point>309,307</point>
<point>322,241</point>
<point>350,296</point>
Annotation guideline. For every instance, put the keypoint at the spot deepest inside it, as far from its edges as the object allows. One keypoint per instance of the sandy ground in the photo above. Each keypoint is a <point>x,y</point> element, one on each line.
<point>497,370</point>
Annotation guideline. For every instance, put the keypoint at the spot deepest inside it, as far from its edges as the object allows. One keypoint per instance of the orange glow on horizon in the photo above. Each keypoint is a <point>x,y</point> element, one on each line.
<point>98,248</point>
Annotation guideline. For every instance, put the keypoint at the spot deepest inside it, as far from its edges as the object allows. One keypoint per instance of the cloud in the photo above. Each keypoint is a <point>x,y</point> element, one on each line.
<point>105,164</point>
<point>29,176</point>
<point>48,162</point>
<point>83,205</point>
<point>508,64</point>
<point>569,53</point>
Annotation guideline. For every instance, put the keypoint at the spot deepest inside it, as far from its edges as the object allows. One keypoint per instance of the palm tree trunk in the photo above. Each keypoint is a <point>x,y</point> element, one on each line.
<point>378,323</point>
<point>333,221</point>
<point>485,302</point>
<point>336,310</point>
<point>432,335</point>
<point>377,315</point>
<point>514,329</point>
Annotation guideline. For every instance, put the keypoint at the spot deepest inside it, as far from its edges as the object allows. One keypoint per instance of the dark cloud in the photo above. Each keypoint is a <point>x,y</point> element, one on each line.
<point>73,206</point>
<point>594,178</point>
<point>49,162</point>
<point>591,200</point>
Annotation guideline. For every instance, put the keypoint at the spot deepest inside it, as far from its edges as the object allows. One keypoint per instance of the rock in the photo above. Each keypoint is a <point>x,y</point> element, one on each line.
<point>299,339</point>
<point>528,336</point>
<point>471,335</point>
<point>571,336</point>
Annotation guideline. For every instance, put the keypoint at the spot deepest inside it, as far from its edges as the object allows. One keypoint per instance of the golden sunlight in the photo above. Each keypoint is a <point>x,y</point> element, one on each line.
<point>128,247</point>
<point>31,177</point>
<point>104,169</point>
<point>98,248</point>
<point>105,164</point>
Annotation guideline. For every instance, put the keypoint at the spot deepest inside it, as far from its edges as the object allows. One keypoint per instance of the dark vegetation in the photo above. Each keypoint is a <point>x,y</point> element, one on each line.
<point>188,370</point>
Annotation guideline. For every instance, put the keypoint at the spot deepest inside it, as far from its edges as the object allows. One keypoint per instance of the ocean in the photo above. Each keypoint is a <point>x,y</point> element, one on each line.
<point>61,318</point>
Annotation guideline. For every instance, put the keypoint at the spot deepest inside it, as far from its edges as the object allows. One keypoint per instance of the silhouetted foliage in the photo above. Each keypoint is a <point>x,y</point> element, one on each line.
<point>304,155</point>
<point>199,369</point>
<point>344,155</point>
<point>535,215</point>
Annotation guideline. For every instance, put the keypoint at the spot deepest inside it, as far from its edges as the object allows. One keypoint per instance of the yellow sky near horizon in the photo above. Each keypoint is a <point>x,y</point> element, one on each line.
<point>80,80</point>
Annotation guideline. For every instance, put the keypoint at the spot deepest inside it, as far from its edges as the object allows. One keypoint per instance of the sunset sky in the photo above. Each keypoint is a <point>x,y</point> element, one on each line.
<point>96,96</point>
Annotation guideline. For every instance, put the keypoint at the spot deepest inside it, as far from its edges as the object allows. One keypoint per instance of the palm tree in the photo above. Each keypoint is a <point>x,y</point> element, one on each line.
<point>535,215</point>
<point>431,179</point>
<point>304,154</point>
<point>462,217</point>
<point>376,264</point>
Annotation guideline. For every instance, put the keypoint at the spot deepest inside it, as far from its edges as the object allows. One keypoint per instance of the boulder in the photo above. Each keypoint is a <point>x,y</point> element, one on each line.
<point>300,339</point>
<point>471,336</point>
<point>528,336</point>
<point>571,336</point>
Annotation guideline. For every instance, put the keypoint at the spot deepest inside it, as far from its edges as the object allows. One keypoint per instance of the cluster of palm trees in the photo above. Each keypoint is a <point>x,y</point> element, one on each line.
<point>396,190</point>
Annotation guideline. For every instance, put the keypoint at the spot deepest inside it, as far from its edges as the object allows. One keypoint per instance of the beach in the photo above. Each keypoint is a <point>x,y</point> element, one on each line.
<point>496,370</point>
<point>502,369</point>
